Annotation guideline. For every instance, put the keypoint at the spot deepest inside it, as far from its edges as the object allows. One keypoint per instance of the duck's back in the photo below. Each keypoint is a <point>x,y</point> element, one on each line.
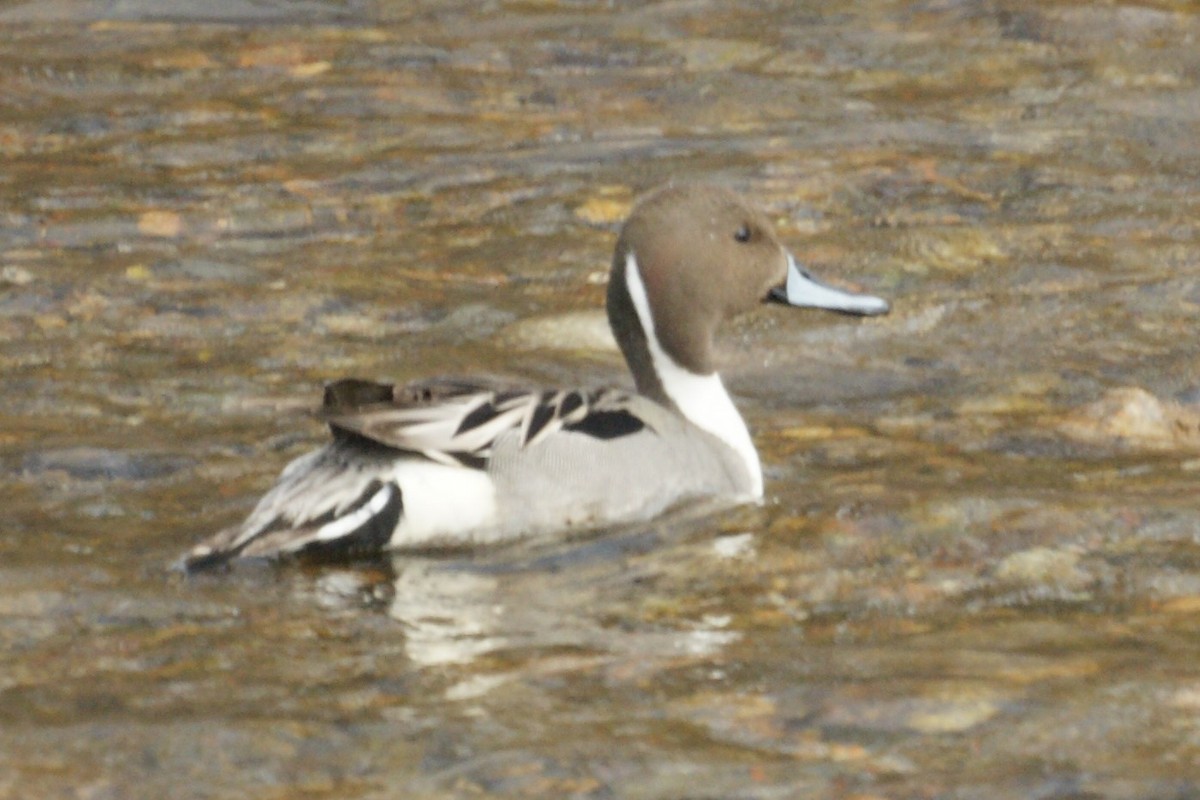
<point>586,478</point>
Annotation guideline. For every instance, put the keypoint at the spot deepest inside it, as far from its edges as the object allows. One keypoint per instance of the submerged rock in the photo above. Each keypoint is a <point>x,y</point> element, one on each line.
<point>572,330</point>
<point>1132,417</point>
<point>1043,567</point>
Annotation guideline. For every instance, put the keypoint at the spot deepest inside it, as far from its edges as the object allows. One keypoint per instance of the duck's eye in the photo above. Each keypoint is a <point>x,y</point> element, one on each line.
<point>742,234</point>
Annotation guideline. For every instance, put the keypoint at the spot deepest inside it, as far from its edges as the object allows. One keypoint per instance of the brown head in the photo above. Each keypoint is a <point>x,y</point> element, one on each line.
<point>703,254</point>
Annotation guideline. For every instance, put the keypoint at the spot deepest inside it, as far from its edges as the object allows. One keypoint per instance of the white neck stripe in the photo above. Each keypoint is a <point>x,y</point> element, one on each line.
<point>702,399</point>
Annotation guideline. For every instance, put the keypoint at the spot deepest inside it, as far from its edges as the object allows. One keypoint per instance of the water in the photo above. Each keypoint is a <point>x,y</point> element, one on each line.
<point>976,572</point>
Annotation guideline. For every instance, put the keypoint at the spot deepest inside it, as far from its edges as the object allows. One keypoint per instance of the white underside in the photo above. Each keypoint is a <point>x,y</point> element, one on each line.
<point>442,502</point>
<point>700,398</point>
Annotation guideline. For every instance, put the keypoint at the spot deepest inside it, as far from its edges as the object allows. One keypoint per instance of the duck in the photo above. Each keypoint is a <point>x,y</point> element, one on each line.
<point>465,463</point>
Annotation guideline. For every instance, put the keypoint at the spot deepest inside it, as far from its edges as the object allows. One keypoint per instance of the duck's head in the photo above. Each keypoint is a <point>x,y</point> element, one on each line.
<point>690,257</point>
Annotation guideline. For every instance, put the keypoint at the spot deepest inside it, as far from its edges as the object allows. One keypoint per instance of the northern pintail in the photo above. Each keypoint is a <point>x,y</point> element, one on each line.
<point>454,464</point>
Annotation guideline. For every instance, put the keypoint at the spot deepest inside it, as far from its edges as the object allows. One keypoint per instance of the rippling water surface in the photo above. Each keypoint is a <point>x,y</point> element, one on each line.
<point>977,573</point>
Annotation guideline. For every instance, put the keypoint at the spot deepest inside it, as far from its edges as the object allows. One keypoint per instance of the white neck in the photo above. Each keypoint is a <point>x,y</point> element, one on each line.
<point>702,399</point>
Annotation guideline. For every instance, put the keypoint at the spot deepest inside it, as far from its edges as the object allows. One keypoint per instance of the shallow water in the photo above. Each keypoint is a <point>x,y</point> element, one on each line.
<point>977,573</point>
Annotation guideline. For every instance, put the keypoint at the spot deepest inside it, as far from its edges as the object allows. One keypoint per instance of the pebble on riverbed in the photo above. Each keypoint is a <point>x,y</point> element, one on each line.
<point>1133,418</point>
<point>586,331</point>
<point>15,276</point>
<point>606,208</point>
<point>1043,567</point>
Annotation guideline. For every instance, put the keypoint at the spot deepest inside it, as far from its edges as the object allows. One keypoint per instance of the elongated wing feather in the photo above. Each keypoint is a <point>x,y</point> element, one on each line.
<point>463,427</point>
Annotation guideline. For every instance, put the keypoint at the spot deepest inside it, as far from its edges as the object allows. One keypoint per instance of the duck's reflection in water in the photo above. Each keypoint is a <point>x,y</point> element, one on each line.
<point>576,602</point>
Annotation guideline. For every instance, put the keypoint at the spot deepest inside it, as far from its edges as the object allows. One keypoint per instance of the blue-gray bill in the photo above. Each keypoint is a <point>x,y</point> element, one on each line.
<point>805,291</point>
